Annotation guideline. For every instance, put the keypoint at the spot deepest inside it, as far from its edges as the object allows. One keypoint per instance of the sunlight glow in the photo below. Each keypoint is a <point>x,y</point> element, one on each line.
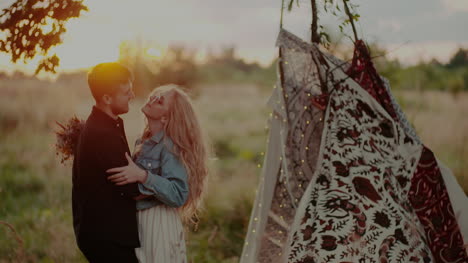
<point>153,53</point>
<point>151,26</point>
<point>96,36</point>
<point>48,27</point>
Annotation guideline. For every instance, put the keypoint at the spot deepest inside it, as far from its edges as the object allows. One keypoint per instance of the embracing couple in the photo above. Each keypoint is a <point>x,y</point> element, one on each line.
<point>131,208</point>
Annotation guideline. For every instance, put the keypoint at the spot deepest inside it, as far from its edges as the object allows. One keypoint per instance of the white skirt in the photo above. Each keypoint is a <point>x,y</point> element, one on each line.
<point>161,236</point>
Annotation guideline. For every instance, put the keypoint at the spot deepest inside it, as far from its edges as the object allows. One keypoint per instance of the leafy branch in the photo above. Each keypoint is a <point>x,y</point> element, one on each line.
<point>32,27</point>
<point>334,7</point>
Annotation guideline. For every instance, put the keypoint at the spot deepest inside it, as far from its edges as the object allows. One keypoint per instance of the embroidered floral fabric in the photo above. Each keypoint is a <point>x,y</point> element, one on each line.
<point>428,193</point>
<point>295,134</point>
<point>355,209</point>
<point>342,170</point>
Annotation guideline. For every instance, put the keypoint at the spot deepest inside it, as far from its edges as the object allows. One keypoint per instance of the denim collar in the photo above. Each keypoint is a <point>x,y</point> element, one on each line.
<point>157,137</point>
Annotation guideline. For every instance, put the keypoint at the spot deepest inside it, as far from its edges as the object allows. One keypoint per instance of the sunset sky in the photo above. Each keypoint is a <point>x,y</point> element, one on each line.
<point>411,30</point>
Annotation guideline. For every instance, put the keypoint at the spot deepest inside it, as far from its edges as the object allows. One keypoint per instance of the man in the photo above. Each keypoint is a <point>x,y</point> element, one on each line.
<point>104,214</point>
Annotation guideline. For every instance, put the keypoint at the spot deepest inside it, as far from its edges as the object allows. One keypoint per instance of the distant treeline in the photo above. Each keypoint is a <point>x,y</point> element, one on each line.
<point>178,65</point>
<point>431,75</point>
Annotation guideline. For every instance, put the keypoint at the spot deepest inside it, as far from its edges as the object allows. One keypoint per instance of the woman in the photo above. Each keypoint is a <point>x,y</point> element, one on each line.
<point>170,166</point>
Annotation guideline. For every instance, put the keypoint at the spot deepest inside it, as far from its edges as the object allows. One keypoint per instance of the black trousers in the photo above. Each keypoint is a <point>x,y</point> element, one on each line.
<point>108,252</point>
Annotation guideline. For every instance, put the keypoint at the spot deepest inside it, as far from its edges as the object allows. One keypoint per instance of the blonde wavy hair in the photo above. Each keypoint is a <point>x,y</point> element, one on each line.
<point>183,128</point>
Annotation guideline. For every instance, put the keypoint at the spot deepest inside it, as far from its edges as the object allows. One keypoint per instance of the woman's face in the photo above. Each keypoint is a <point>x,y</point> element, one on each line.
<point>158,105</point>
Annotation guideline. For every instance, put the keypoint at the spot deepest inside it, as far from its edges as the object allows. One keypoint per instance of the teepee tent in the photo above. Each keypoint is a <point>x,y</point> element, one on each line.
<point>345,177</point>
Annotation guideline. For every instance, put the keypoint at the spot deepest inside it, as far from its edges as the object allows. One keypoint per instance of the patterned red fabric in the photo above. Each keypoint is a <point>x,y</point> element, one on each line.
<point>428,193</point>
<point>430,199</point>
<point>355,208</point>
<point>362,70</point>
<point>320,101</point>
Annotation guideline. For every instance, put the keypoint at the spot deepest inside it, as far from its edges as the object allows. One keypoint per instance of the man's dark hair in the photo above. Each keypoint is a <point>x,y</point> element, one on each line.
<point>104,78</point>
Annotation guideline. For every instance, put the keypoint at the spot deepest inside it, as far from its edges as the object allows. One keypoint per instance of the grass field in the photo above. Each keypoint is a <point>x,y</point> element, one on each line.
<point>35,188</point>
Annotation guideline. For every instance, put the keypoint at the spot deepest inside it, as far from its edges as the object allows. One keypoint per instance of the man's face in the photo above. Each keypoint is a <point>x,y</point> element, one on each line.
<point>121,97</point>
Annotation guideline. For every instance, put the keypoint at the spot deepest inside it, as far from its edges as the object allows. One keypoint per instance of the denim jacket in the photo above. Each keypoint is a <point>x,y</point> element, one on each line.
<point>167,181</point>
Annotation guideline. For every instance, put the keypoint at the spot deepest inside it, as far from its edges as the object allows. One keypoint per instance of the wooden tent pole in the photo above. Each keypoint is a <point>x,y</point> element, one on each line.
<point>282,11</point>
<point>350,19</point>
<point>315,37</point>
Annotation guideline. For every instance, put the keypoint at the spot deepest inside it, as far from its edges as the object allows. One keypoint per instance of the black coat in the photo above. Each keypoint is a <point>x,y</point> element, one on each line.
<point>102,211</point>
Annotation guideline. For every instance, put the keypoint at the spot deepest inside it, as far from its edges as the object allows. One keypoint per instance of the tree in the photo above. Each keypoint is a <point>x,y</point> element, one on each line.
<point>459,59</point>
<point>319,33</point>
<point>177,66</point>
<point>32,27</point>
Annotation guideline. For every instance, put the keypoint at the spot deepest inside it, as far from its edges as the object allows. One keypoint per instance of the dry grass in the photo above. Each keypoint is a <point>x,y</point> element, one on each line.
<point>440,120</point>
